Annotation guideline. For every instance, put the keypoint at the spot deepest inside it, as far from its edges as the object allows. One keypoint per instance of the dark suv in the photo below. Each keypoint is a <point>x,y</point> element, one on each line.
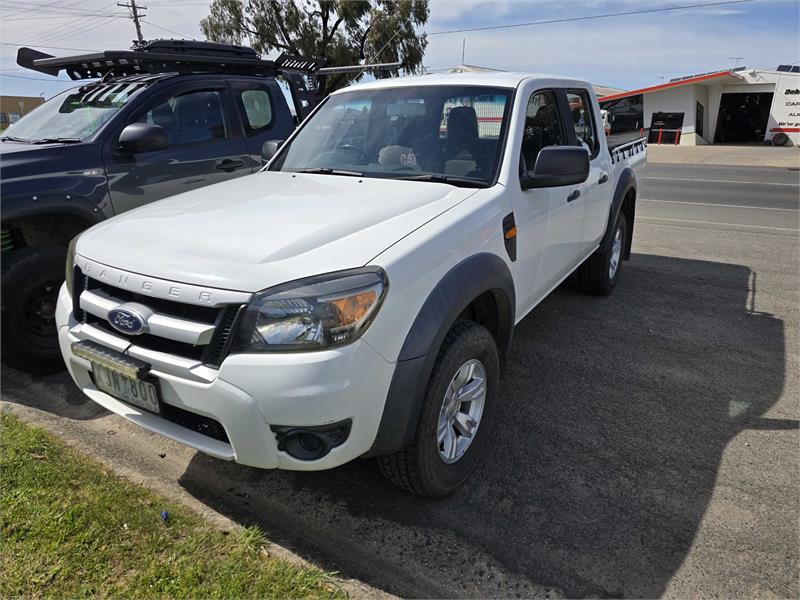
<point>164,118</point>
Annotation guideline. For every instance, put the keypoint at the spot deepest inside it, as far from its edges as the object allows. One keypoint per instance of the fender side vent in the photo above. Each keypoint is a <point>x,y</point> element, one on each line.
<point>510,236</point>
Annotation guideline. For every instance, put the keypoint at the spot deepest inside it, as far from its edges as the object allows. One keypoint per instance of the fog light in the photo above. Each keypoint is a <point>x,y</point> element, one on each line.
<point>311,443</point>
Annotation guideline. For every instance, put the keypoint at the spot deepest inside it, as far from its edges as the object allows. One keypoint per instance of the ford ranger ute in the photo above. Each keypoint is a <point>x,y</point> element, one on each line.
<point>357,297</point>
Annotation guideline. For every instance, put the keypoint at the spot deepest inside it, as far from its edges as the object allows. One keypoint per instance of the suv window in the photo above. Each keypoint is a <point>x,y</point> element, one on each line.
<point>190,118</point>
<point>257,110</point>
<point>542,127</point>
<point>581,109</point>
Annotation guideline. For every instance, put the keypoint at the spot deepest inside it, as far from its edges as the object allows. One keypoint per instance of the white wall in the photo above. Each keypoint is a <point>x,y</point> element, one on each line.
<point>678,99</point>
<point>785,111</point>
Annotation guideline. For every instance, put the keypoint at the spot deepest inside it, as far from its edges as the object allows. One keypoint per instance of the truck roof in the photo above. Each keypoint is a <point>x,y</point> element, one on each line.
<point>495,78</point>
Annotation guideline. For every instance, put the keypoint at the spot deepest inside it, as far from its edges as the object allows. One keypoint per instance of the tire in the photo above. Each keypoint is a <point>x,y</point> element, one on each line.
<point>30,282</point>
<point>595,274</point>
<point>780,139</point>
<point>420,467</point>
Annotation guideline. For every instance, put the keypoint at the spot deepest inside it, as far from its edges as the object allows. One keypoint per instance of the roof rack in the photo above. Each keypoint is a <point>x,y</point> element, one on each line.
<point>182,56</point>
<point>189,56</point>
<point>164,56</point>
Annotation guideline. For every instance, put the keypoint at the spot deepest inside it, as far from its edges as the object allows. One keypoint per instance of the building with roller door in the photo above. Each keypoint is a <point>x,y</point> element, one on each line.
<point>735,106</point>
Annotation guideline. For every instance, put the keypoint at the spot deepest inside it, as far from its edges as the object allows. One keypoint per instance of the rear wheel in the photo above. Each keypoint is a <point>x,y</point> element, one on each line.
<point>599,274</point>
<point>454,425</point>
<point>30,282</point>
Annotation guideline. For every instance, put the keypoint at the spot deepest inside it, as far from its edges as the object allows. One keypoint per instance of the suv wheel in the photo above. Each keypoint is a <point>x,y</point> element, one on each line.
<point>599,274</point>
<point>454,425</point>
<point>30,283</point>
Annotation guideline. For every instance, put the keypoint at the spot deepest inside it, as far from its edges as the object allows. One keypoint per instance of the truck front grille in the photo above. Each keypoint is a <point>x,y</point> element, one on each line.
<point>201,333</point>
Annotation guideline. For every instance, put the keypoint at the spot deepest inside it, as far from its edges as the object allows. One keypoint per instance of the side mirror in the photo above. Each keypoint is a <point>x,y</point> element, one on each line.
<point>270,149</point>
<point>143,137</point>
<point>557,166</point>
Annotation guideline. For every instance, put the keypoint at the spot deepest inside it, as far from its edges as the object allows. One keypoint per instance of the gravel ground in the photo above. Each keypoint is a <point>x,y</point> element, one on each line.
<point>646,445</point>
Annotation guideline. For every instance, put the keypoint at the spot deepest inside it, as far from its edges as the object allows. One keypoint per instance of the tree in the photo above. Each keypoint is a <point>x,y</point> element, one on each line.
<point>341,32</point>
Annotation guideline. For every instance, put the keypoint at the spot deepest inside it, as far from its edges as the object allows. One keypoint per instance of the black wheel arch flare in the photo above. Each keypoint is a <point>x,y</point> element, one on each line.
<point>625,183</point>
<point>474,276</point>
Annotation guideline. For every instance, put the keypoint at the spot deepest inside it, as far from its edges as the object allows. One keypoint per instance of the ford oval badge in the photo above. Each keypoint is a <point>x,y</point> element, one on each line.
<point>127,321</point>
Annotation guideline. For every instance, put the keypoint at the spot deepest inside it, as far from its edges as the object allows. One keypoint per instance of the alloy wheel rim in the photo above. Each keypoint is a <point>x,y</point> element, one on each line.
<point>616,253</point>
<point>461,412</point>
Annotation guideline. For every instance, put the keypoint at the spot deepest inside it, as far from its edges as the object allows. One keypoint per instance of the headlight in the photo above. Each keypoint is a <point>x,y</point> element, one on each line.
<point>69,269</point>
<point>313,314</point>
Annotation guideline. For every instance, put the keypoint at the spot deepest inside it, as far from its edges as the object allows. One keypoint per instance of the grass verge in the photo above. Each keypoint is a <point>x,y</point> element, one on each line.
<point>69,528</point>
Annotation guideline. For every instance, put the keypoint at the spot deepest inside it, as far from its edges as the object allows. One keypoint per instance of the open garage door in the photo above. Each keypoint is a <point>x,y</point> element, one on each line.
<point>742,117</point>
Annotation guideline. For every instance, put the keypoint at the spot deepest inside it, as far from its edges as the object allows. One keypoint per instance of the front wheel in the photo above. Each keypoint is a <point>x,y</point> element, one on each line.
<point>454,425</point>
<point>30,283</point>
<point>599,274</point>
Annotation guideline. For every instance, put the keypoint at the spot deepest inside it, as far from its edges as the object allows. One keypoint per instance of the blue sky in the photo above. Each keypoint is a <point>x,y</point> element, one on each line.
<point>625,52</point>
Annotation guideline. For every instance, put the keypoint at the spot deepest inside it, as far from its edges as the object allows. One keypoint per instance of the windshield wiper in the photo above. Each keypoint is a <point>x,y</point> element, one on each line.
<point>329,171</point>
<point>11,138</point>
<point>451,179</point>
<point>57,140</point>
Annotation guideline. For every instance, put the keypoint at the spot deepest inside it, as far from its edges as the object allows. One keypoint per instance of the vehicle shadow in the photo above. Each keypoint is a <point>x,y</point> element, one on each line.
<point>615,413</point>
<point>59,395</point>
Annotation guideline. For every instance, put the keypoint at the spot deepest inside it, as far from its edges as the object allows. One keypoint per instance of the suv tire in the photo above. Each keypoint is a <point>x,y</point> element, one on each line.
<point>30,282</point>
<point>440,457</point>
<point>599,273</point>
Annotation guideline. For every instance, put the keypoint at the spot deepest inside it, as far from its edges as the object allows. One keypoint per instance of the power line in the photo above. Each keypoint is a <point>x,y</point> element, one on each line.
<point>86,28</point>
<point>43,36</point>
<point>165,29</point>
<point>67,10</point>
<point>18,44</point>
<point>589,17</point>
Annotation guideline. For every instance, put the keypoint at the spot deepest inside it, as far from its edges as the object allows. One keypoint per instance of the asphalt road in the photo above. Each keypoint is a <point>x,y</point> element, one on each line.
<point>646,445</point>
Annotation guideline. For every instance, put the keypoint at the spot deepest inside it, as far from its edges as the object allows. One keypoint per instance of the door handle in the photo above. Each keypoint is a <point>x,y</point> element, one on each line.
<point>230,165</point>
<point>603,178</point>
<point>573,196</point>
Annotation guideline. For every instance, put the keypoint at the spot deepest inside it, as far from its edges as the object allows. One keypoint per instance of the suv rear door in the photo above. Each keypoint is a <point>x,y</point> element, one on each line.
<point>206,145</point>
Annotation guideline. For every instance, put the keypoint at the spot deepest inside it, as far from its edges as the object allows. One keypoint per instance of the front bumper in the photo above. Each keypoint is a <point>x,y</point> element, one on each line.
<point>252,392</point>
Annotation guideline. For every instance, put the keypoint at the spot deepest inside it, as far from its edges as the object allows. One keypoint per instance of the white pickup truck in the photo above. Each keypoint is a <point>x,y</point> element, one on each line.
<point>357,297</point>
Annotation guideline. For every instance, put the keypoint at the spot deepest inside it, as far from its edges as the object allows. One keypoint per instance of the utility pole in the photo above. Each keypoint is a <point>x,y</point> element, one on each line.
<point>135,16</point>
<point>463,49</point>
<point>736,59</point>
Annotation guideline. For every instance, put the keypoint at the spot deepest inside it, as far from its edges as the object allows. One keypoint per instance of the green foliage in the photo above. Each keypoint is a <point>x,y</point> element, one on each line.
<point>343,32</point>
<point>69,529</point>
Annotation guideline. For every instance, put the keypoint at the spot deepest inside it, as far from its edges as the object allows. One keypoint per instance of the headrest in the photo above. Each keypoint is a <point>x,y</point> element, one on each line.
<point>462,122</point>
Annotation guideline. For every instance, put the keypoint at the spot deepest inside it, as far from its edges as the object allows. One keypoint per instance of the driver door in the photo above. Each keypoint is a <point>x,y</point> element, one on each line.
<point>205,146</point>
<point>548,220</point>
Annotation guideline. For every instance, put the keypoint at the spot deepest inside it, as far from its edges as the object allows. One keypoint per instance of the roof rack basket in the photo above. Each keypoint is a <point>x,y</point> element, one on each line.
<point>189,56</point>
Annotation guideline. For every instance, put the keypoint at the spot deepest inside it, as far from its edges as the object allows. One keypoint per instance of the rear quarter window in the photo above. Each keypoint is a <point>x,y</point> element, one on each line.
<point>257,110</point>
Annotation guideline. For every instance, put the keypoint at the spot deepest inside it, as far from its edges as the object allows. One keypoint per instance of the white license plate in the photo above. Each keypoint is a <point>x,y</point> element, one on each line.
<point>142,394</point>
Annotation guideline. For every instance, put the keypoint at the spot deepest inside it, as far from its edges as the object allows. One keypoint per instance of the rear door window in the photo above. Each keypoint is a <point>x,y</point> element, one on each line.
<point>190,118</point>
<point>580,108</point>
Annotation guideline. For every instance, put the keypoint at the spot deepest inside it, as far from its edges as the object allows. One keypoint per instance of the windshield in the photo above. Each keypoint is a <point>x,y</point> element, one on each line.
<point>74,115</point>
<point>438,133</point>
